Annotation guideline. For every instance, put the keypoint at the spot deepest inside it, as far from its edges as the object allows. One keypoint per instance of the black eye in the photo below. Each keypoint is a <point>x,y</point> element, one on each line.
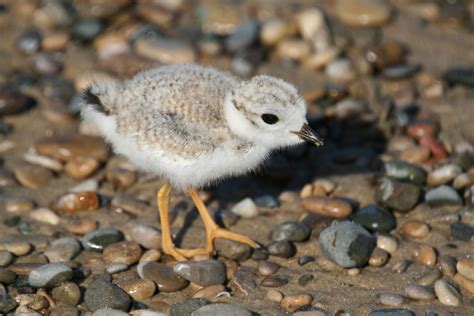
<point>270,118</point>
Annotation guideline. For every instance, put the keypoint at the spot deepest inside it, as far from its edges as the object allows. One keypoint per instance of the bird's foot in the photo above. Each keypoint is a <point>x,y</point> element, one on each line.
<point>217,232</point>
<point>182,254</point>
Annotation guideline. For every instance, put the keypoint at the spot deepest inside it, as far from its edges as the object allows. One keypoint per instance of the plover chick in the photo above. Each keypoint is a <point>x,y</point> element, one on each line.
<point>193,125</point>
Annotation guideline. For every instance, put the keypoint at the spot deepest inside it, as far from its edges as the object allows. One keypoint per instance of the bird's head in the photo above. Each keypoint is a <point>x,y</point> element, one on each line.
<point>269,111</point>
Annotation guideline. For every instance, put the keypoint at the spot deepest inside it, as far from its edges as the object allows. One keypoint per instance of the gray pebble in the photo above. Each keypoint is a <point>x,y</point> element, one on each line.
<point>204,273</point>
<point>443,195</point>
<point>283,249</point>
<point>397,195</point>
<point>5,258</point>
<point>419,292</point>
<point>116,268</point>
<point>405,171</point>
<point>187,307</point>
<point>391,299</point>
<point>243,36</point>
<point>50,275</point>
<point>109,312</point>
<point>222,309</point>
<point>104,294</point>
<point>7,304</point>
<point>63,249</point>
<point>99,239</point>
<point>291,231</point>
<point>274,281</point>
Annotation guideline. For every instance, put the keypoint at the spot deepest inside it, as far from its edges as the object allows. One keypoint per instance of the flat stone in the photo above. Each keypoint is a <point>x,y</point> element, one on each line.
<point>50,275</point>
<point>447,265</point>
<point>415,229</point>
<point>464,282</point>
<point>33,177</point>
<point>211,292</point>
<point>443,174</point>
<point>104,294</point>
<point>461,231</point>
<point>275,281</point>
<point>187,307</point>
<point>327,206</point>
<point>267,268</point>
<point>164,277</point>
<point>460,76</point>
<point>291,231</point>
<point>222,309</point>
<point>378,258</point>
<point>127,252</point>
<point>13,101</point>
<point>446,293</point>
<point>7,304</point>
<point>443,195</point>
<point>203,273</point>
<point>426,255</point>
<point>466,268</point>
<point>375,218</point>
<point>232,250</point>
<point>63,249</point>
<point>346,244</point>
<point>6,258</point>
<point>99,239</point>
<point>387,243</point>
<point>109,312</point>
<point>405,172</point>
<point>81,167</point>
<point>391,299</point>
<point>420,293</point>
<point>283,249</point>
<point>71,203</point>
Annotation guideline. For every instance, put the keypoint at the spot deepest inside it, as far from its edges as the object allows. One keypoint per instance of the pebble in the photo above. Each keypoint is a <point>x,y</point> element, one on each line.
<point>222,309</point>
<point>347,244</point>
<point>232,250</point>
<point>463,180</point>
<point>375,218</point>
<point>460,76</point>
<point>387,243</point>
<point>363,12</point>
<point>391,299</point>
<point>305,260</point>
<point>415,154</point>
<point>341,71</point>
<point>282,249</point>
<point>392,312</point>
<point>32,157</point>
<point>139,289</point>
<point>66,147</point>
<point>443,195</point>
<point>25,311</point>
<point>29,42</point>
<point>446,293</point>
<point>6,258</point>
<point>50,275</point>
<point>401,266</point>
<point>426,255</point>
<point>45,215</point>
<point>267,201</point>
<point>81,167</point>
<point>99,239</point>
<point>187,307</point>
<point>211,292</point>
<point>274,281</point>
<point>245,208</point>
<point>267,268</point>
<point>17,248</point>
<point>304,279</point>
<point>464,282</point>
<point>443,174</point>
<point>349,108</point>
<point>33,177</point>
<point>113,268</point>
<point>291,231</point>
<point>7,304</point>
<point>47,63</point>
<point>293,48</point>
<point>71,203</point>
<point>406,172</point>
<point>447,265</point>
<point>466,268</point>
<point>151,255</point>
<point>14,102</point>
<point>420,293</point>
<point>127,252</point>
<point>243,36</point>
<point>415,229</point>
<point>147,236</point>
<point>81,226</point>
<point>273,31</point>
<point>67,293</point>
<point>102,293</point>
<point>292,303</point>
<point>274,295</point>
<point>164,277</point>
<point>403,71</point>
<point>109,312</point>
<point>16,204</point>
<point>63,249</point>
<point>203,273</point>
<point>85,186</point>
<point>461,231</point>
<point>164,50</point>
<point>55,40</point>
<point>326,206</point>
<point>6,276</point>
<point>397,195</point>
<point>378,258</point>
<point>244,278</point>
<point>87,29</point>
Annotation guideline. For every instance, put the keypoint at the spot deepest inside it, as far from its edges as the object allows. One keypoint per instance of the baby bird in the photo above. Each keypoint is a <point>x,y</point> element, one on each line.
<point>194,125</point>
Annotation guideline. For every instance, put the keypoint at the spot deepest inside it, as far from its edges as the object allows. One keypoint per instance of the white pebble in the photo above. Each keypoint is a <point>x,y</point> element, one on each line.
<point>45,215</point>
<point>387,243</point>
<point>34,158</point>
<point>446,293</point>
<point>84,186</point>
<point>245,208</point>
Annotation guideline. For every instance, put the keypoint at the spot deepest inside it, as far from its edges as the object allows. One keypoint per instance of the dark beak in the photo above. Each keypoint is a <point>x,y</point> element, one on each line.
<point>309,135</point>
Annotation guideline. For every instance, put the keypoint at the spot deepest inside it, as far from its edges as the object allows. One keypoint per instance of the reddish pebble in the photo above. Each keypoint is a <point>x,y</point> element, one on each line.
<point>326,206</point>
<point>77,202</point>
<point>81,167</point>
<point>464,282</point>
<point>426,255</point>
<point>415,229</point>
<point>418,130</point>
<point>436,148</point>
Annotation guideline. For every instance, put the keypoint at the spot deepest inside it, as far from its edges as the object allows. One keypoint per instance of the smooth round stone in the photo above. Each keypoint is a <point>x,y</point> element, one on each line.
<point>274,295</point>
<point>391,299</point>
<point>151,255</point>
<point>47,63</point>
<point>203,273</point>
<point>243,36</point>
<point>222,309</point>
<point>232,250</point>
<point>67,293</point>
<point>443,174</point>
<point>415,154</point>
<point>387,243</point>
<point>415,229</point>
<point>401,266</point>
<point>147,236</point>
<point>55,40</point>
<point>187,307</point>
<point>305,260</point>
<point>340,70</point>
<point>127,252</point>
<point>16,204</point>
<point>461,231</point>
<point>164,277</point>
<point>14,102</point>
<point>81,167</point>
<point>211,292</point>
<point>114,268</point>
<point>420,293</point>
<point>447,265</point>
<point>274,281</point>
<point>375,218</point>
<point>104,294</point>
<point>378,258</point>
<point>363,12</point>
<point>406,172</point>
<point>446,293</point>
<point>397,195</point>
<point>66,147</point>
<point>109,312</point>
<point>85,186</point>
<point>245,208</point>
<point>267,268</point>
<point>443,195</point>
<point>392,312</point>
<point>273,31</point>
<point>50,275</point>
<point>71,203</point>
<point>6,276</point>
<point>139,289</point>
<point>87,30</point>
<point>429,278</point>
<point>29,42</point>
<point>466,268</point>
<point>426,255</point>
<point>165,50</point>
<point>81,226</point>
<point>99,239</point>
<point>121,177</point>
<point>33,177</point>
<point>292,48</point>
<point>267,201</point>
<point>463,180</point>
<point>347,244</point>
<point>283,249</point>
<point>45,215</point>
<point>460,76</point>
<point>304,279</point>
<point>291,231</point>
<point>6,258</point>
<point>464,282</point>
<point>18,248</point>
<point>63,249</point>
<point>292,303</point>
<point>327,206</point>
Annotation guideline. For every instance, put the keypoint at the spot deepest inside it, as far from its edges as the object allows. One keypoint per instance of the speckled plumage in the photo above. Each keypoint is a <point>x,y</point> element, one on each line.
<point>194,124</point>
